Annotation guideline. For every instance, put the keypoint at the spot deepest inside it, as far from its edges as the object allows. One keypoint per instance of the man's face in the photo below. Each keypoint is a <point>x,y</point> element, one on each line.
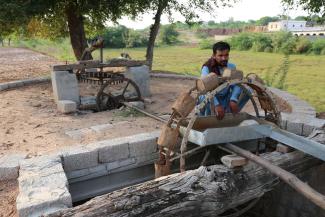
<point>222,57</point>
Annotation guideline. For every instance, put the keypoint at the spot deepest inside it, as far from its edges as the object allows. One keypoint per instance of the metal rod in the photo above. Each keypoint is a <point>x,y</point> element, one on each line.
<point>284,175</point>
<point>144,112</point>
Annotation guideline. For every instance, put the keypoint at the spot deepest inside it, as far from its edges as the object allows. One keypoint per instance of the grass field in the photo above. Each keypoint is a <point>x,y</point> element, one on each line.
<point>305,77</point>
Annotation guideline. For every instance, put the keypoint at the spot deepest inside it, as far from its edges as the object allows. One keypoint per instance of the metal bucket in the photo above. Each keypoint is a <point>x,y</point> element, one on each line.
<point>184,104</point>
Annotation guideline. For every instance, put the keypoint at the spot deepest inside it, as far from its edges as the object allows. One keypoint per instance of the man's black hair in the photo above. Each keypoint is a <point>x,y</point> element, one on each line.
<point>221,45</point>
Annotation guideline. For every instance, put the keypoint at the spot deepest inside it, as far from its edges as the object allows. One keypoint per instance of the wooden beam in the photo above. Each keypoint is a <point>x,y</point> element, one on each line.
<point>284,175</point>
<point>206,191</point>
<point>97,64</point>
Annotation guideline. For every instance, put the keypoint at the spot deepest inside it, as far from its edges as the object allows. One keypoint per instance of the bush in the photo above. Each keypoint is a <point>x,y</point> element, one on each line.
<point>318,46</point>
<point>243,41</point>
<point>114,37</point>
<point>137,39</point>
<point>303,45</point>
<point>168,34</point>
<point>289,46</point>
<point>206,44</point>
<point>261,42</point>
<point>279,39</point>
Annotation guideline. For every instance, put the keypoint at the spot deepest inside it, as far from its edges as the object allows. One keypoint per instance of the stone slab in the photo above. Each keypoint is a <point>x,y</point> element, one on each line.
<point>113,150</point>
<point>144,143</point>
<point>43,187</point>
<point>9,166</point>
<point>283,148</point>
<point>76,158</point>
<point>66,106</point>
<point>79,134</point>
<point>232,161</point>
<point>65,86</point>
<point>295,128</point>
<point>101,128</point>
<point>141,76</point>
<point>4,86</point>
<point>138,104</point>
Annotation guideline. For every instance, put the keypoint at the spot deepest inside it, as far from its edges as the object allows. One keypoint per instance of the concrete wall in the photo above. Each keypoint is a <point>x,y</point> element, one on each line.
<point>284,201</point>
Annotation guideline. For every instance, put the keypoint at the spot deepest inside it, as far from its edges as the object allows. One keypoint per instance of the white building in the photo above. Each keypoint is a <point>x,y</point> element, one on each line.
<point>297,28</point>
<point>287,25</point>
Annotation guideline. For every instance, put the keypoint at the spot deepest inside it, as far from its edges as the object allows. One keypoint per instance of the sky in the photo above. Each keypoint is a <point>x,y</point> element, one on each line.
<point>241,11</point>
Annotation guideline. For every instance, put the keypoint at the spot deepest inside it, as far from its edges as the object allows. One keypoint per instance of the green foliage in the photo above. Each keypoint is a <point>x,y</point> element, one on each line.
<point>303,45</point>
<point>121,37</point>
<point>168,34</point>
<point>317,46</point>
<point>279,77</point>
<point>243,41</point>
<point>263,21</point>
<point>262,42</point>
<point>206,44</point>
<point>279,39</point>
<point>288,47</point>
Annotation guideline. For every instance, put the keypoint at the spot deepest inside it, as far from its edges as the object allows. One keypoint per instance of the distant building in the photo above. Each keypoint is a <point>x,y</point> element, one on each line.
<point>287,25</point>
<point>296,27</point>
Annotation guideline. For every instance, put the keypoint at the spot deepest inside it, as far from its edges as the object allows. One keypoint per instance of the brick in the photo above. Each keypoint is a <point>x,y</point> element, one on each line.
<point>232,161</point>
<point>295,128</point>
<point>283,148</point>
<point>81,157</point>
<point>144,143</point>
<point>9,166</point>
<point>113,150</point>
<point>120,163</point>
<point>147,159</point>
<point>66,106</point>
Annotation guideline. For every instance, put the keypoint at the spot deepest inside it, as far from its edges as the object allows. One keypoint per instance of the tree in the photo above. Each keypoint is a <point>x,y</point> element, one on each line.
<point>168,34</point>
<point>312,6</point>
<point>187,8</point>
<point>265,20</point>
<point>72,14</point>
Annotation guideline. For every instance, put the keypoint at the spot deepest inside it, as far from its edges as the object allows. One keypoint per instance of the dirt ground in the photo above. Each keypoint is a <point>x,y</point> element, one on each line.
<point>30,122</point>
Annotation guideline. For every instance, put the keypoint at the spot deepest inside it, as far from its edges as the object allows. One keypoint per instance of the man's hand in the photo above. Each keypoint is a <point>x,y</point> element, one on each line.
<point>234,107</point>
<point>220,112</point>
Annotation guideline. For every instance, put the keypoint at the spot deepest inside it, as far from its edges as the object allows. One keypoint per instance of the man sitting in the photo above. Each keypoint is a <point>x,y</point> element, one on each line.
<point>227,100</point>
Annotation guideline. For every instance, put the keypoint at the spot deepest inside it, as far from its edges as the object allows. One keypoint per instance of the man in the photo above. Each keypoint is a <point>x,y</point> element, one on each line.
<point>226,100</point>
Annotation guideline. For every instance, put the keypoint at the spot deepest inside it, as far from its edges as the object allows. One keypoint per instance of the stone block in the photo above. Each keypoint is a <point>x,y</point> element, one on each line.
<point>9,166</point>
<point>147,159</point>
<point>43,187</point>
<point>79,134</point>
<point>283,148</point>
<point>3,86</point>
<point>65,86</point>
<point>141,76</point>
<point>138,104</point>
<point>144,143</point>
<point>232,161</point>
<point>101,128</point>
<point>295,128</point>
<point>113,150</point>
<point>86,172</point>
<point>77,158</point>
<point>120,163</point>
<point>66,106</point>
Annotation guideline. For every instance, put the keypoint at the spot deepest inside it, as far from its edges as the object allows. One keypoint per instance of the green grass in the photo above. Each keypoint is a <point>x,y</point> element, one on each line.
<point>305,78</point>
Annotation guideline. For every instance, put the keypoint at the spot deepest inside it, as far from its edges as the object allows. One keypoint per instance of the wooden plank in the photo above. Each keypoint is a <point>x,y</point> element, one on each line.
<point>97,64</point>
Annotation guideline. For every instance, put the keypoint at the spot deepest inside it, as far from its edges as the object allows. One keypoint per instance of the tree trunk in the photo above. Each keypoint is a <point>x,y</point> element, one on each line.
<point>154,31</point>
<point>206,191</point>
<point>76,31</point>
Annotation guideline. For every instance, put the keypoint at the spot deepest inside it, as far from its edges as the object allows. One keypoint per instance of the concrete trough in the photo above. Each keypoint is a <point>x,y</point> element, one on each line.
<point>51,183</point>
